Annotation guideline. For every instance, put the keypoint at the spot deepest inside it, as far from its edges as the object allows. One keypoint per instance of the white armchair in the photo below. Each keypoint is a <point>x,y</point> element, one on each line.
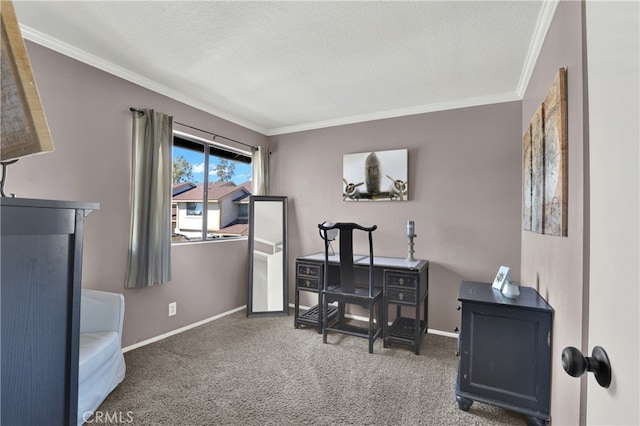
<point>101,363</point>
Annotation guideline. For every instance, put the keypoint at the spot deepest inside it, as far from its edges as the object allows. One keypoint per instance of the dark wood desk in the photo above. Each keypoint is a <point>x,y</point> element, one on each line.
<point>405,284</point>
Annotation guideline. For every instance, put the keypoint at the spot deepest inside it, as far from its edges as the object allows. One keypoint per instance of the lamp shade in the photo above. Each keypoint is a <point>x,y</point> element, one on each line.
<point>331,234</point>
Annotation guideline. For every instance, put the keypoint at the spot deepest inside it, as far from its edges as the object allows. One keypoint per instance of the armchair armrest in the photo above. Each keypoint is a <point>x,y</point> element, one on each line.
<point>101,311</point>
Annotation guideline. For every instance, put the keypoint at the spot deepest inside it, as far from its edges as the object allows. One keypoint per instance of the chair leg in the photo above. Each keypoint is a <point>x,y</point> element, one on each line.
<point>325,314</point>
<point>296,310</point>
<point>319,325</point>
<point>381,316</point>
<point>371,329</point>
<point>385,324</point>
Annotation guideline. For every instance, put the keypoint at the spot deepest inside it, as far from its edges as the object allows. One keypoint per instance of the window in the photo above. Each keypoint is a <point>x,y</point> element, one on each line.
<point>211,188</point>
<point>194,209</point>
<point>243,211</point>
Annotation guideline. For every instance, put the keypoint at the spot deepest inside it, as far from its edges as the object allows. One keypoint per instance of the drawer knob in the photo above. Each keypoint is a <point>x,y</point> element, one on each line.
<point>401,296</point>
<point>308,270</point>
<point>307,283</point>
<point>401,281</point>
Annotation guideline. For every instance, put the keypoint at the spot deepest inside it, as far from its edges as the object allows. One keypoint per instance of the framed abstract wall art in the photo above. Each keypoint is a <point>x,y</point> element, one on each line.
<point>375,176</point>
<point>527,181</point>
<point>544,166</point>
<point>537,172</point>
<point>555,157</point>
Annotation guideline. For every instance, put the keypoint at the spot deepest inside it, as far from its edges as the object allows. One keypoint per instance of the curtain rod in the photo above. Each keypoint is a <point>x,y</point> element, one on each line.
<point>215,135</point>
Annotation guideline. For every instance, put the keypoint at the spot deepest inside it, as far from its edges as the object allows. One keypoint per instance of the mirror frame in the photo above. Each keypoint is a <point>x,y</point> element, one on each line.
<point>253,199</point>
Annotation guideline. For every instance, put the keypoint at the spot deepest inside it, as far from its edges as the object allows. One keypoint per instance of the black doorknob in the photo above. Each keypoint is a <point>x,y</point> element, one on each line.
<point>575,364</point>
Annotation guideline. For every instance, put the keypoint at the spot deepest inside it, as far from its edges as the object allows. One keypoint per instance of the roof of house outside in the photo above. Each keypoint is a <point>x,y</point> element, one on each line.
<point>234,229</point>
<point>179,188</point>
<point>217,191</point>
<point>249,187</point>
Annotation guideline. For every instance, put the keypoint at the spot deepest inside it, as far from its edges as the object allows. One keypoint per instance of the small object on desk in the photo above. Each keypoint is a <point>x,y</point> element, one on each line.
<point>411,234</point>
<point>410,257</point>
<point>503,277</point>
<point>411,228</point>
<point>511,290</point>
<point>330,235</point>
<point>5,164</point>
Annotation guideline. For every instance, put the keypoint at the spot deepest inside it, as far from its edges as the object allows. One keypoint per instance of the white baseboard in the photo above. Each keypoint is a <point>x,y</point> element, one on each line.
<point>443,333</point>
<point>181,329</point>
<point>360,318</point>
<point>224,314</point>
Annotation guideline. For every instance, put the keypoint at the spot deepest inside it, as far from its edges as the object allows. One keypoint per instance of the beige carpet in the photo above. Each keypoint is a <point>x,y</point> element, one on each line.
<point>262,371</point>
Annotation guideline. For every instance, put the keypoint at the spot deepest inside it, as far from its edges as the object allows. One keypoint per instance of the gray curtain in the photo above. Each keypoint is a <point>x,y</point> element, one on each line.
<point>149,260</point>
<point>260,171</point>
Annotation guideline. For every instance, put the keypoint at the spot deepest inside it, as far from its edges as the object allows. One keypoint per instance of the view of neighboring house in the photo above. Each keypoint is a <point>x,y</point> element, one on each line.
<point>227,213</point>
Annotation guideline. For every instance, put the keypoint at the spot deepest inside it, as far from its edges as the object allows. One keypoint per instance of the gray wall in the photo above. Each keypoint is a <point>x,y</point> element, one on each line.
<point>465,192</point>
<point>464,169</point>
<point>90,122</point>
<point>556,265</point>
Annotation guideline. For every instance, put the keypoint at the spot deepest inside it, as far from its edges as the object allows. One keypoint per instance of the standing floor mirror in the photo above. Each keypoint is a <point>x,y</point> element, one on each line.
<point>268,283</point>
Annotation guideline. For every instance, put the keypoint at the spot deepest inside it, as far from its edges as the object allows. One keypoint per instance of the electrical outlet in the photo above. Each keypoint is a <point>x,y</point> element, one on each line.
<point>172,308</point>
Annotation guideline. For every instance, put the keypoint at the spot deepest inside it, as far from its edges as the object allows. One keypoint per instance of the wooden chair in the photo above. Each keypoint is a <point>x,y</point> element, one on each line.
<point>350,286</point>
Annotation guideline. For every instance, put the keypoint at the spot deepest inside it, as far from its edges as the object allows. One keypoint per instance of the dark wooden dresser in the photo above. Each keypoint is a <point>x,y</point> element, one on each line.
<point>41,251</point>
<point>505,351</point>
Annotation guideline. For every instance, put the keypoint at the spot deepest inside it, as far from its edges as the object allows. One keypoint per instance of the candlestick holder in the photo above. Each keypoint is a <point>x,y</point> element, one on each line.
<point>410,257</point>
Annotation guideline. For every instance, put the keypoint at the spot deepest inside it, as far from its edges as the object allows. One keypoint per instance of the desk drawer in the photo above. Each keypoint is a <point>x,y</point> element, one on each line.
<point>309,282</point>
<point>309,275</point>
<point>399,279</point>
<point>309,270</point>
<point>400,295</point>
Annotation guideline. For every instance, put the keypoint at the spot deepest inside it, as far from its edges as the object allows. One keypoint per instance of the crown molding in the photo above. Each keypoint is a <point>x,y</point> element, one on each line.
<point>400,112</point>
<point>547,12</point>
<point>108,67</point>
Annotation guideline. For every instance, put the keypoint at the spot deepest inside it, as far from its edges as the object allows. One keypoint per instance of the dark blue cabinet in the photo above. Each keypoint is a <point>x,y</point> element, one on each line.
<point>505,351</point>
<point>41,246</point>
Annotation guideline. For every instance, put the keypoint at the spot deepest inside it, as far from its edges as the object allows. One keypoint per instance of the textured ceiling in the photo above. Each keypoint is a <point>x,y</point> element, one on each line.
<point>278,67</point>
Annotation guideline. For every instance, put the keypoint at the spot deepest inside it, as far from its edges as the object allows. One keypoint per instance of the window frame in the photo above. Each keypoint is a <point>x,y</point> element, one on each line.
<point>192,208</point>
<point>208,148</point>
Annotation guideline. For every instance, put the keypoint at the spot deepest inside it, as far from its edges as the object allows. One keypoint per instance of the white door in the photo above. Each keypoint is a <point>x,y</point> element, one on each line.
<point>613,72</point>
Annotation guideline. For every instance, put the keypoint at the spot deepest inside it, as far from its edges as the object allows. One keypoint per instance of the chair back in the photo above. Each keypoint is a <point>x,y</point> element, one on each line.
<point>345,235</point>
